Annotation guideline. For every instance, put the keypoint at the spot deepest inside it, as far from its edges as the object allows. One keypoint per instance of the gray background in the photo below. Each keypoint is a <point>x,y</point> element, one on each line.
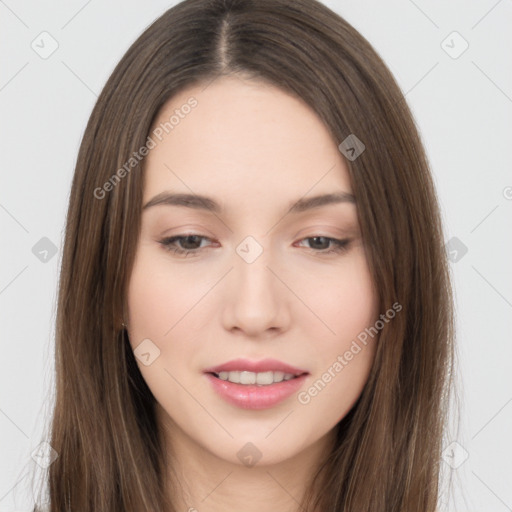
<point>462,105</point>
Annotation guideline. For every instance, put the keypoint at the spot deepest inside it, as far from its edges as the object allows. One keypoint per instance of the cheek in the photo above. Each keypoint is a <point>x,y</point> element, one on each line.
<point>161,310</point>
<point>165,306</point>
<point>158,302</point>
<point>347,302</point>
<point>348,305</point>
<point>150,303</point>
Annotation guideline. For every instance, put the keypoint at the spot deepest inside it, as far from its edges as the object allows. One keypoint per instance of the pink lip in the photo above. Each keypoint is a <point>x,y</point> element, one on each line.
<point>265,365</point>
<point>253,396</point>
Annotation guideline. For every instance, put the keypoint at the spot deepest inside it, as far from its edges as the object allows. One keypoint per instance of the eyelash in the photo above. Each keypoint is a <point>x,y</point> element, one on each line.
<point>168,243</point>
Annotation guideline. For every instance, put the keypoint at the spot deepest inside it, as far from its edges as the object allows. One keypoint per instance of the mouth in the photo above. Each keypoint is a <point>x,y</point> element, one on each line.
<point>255,390</point>
<point>248,378</point>
<point>264,372</point>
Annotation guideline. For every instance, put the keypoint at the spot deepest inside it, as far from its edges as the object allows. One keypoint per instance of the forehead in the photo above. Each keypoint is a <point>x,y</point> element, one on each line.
<point>243,140</point>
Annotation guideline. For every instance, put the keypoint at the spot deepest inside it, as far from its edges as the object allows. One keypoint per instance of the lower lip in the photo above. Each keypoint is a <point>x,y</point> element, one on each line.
<point>251,396</point>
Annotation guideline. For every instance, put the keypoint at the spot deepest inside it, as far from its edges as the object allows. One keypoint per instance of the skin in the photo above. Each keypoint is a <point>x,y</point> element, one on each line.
<point>255,150</point>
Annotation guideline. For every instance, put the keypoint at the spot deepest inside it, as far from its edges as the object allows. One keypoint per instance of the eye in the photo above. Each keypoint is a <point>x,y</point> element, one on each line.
<point>190,243</point>
<point>323,241</point>
<point>184,245</point>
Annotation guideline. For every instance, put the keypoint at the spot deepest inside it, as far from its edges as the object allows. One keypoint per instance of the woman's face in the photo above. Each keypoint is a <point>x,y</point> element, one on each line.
<point>261,280</point>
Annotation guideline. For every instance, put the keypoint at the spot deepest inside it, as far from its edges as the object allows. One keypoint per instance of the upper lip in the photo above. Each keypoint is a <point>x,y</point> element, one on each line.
<point>264,365</point>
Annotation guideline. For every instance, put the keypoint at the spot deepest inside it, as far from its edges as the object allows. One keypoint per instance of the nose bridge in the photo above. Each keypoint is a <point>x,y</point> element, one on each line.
<point>254,279</point>
<point>255,303</point>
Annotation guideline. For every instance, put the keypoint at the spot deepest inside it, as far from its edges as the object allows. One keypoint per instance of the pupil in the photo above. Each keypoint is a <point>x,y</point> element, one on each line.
<point>189,239</point>
<point>316,238</point>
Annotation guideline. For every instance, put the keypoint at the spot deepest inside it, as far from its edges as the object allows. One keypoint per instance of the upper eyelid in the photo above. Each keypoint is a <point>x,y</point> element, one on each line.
<point>185,235</point>
<point>175,238</point>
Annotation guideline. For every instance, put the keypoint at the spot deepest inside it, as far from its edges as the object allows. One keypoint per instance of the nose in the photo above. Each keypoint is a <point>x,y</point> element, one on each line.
<point>256,301</point>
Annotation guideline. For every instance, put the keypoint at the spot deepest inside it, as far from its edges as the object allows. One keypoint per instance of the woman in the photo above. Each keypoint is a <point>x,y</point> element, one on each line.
<point>255,307</point>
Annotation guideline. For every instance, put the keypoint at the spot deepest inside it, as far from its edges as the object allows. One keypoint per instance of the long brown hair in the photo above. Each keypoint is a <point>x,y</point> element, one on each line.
<point>388,448</point>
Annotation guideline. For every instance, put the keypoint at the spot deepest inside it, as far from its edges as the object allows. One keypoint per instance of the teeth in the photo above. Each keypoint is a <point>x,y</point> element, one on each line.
<point>260,379</point>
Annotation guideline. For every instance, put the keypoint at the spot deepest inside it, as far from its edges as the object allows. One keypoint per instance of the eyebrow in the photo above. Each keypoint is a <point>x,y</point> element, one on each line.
<point>199,202</point>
